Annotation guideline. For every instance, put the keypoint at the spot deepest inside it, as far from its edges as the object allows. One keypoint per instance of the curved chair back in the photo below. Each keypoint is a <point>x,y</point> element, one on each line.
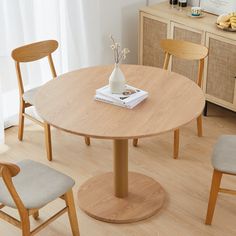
<point>33,52</point>
<point>7,171</point>
<point>185,50</point>
<point>11,168</point>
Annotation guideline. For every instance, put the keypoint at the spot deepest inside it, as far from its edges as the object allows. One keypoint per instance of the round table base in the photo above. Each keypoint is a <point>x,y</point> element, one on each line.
<point>96,198</point>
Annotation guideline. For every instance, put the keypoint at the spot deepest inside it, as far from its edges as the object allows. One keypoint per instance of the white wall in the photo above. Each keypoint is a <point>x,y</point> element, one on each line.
<point>125,29</point>
<point>119,18</point>
<point>1,119</point>
<point>151,2</point>
<point>88,45</point>
<point>194,2</point>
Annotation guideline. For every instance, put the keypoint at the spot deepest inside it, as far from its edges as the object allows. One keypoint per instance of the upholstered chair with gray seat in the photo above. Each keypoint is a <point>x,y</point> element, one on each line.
<point>224,162</point>
<point>28,186</point>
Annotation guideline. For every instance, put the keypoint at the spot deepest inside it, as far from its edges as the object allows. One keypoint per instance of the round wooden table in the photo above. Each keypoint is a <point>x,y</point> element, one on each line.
<point>68,104</point>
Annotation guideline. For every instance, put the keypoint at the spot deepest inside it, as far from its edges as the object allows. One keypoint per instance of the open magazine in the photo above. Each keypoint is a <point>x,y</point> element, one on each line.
<point>129,98</point>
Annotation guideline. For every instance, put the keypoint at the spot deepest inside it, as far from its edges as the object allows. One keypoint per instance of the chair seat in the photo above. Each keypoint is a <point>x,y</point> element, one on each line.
<point>36,184</point>
<point>224,154</point>
<point>29,96</point>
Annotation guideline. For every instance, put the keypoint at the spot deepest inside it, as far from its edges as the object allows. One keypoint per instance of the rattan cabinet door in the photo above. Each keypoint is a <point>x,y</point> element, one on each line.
<point>221,70</point>
<point>183,67</point>
<point>152,30</point>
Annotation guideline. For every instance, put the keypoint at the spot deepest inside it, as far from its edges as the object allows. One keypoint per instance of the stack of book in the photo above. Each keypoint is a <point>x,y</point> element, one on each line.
<point>130,98</point>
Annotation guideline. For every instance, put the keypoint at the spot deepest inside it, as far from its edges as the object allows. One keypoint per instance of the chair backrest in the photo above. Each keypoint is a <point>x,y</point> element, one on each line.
<point>11,168</point>
<point>185,50</point>
<point>33,52</point>
<point>7,171</point>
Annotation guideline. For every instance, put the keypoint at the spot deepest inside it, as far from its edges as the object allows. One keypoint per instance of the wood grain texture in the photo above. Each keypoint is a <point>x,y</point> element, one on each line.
<point>120,149</point>
<point>215,186</point>
<point>12,168</point>
<point>186,182</point>
<point>83,116</point>
<point>205,24</point>
<point>69,198</point>
<point>48,141</point>
<point>184,49</point>
<point>34,51</point>
<point>68,103</point>
<point>146,197</point>
<point>29,53</point>
<point>203,31</point>
<point>176,144</point>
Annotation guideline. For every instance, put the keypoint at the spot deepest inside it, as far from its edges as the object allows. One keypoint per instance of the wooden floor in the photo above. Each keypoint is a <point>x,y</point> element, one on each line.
<point>186,180</point>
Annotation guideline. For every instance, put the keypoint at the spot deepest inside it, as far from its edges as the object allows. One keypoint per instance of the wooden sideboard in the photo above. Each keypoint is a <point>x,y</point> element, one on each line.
<point>161,21</point>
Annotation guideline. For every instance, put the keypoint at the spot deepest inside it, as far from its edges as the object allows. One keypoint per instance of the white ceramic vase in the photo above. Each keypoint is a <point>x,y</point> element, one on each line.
<point>117,80</point>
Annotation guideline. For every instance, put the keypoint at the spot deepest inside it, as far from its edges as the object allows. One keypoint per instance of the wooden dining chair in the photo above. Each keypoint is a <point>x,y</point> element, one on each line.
<point>188,51</point>
<point>29,53</point>
<point>224,162</point>
<point>28,186</point>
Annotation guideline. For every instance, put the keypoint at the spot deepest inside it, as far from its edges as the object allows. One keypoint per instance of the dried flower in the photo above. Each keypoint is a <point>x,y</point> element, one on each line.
<point>119,54</point>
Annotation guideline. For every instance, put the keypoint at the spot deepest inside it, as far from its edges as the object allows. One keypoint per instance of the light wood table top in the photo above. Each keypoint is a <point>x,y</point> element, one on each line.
<point>68,104</point>
<point>173,101</point>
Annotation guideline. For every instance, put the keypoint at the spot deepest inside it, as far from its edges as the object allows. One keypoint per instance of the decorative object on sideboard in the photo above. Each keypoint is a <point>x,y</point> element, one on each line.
<point>227,22</point>
<point>218,7</point>
<point>196,11</point>
<point>117,78</point>
<point>182,3</point>
<point>173,3</point>
<point>200,16</point>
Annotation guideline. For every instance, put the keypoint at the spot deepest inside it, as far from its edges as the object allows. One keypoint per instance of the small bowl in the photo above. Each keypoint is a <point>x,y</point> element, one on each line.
<point>196,11</point>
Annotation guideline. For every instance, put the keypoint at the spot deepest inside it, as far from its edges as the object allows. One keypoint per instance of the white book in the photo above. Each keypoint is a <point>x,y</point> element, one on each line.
<point>130,95</point>
<point>131,105</point>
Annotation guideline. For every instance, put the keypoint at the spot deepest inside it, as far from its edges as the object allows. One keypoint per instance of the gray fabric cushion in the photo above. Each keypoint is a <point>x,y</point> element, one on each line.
<point>224,154</point>
<point>29,96</point>
<point>36,185</point>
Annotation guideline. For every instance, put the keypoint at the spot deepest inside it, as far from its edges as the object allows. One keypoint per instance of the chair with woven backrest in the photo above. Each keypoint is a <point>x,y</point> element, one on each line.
<point>28,186</point>
<point>188,51</point>
<point>224,162</point>
<point>29,53</point>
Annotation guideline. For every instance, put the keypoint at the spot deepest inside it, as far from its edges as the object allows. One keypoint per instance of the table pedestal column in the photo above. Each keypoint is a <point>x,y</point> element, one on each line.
<point>122,196</point>
<point>121,168</point>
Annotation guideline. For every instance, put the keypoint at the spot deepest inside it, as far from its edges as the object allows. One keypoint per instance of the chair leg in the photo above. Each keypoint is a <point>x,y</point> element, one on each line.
<point>176,144</point>
<point>87,140</point>
<point>199,126</point>
<point>215,186</point>
<point>36,215</point>
<point>48,142</point>
<point>21,120</point>
<point>135,142</point>
<point>72,213</point>
<point>25,224</point>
